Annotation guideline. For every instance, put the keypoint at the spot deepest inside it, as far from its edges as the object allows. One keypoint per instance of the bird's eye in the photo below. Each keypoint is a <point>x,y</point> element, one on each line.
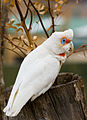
<point>63,41</point>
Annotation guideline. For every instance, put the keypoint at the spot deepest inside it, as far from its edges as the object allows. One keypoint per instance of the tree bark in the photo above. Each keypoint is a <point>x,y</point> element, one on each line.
<point>64,101</point>
<point>1,71</point>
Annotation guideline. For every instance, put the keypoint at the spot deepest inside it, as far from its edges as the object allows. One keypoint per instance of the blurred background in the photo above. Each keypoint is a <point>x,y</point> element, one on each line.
<point>75,17</point>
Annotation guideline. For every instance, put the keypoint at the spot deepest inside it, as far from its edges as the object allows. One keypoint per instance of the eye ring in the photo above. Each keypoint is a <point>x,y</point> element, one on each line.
<point>63,41</point>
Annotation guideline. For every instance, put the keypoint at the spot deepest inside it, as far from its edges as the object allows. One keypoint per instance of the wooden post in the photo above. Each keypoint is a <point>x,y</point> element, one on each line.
<point>64,101</point>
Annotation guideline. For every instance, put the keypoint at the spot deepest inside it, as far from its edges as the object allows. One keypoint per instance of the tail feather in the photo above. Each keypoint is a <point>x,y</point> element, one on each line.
<point>5,109</point>
<point>21,97</point>
<point>12,114</point>
<point>12,97</point>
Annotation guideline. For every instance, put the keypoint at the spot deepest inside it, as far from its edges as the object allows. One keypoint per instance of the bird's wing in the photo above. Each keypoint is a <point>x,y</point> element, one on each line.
<point>26,70</point>
<point>38,76</point>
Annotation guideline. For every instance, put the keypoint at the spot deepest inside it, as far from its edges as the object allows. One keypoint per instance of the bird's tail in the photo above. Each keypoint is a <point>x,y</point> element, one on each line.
<point>14,106</point>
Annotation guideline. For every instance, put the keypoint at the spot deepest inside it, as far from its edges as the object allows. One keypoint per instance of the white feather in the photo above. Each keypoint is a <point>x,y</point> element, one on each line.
<point>32,84</point>
<point>36,75</point>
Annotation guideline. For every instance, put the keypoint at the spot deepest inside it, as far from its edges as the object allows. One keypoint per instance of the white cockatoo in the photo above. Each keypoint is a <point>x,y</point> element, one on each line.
<point>39,70</point>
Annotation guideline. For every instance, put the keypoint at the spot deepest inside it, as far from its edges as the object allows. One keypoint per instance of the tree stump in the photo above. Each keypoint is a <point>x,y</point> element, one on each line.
<point>64,101</point>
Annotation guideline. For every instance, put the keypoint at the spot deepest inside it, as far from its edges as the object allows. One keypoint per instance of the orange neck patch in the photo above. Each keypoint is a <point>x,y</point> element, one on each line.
<point>62,54</point>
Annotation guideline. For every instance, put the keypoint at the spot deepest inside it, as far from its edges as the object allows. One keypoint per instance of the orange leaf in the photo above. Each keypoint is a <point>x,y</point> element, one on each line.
<point>61,2</point>
<point>12,3</point>
<point>19,29</point>
<point>6,1</point>
<point>10,26</point>
<point>18,24</point>
<point>38,0</point>
<point>59,8</point>
<point>65,0</point>
<point>56,0</point>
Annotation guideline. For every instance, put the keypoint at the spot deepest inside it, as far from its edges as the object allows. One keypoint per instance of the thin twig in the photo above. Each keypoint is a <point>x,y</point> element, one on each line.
<point>39,19</point>
<point>25,43</point>
<point>12,43</point>
<point>49,8</point>
<point>78,49</point>
<point>51,27</point>
<point>30,13</point>
<point>27,8</point>
<point>18,40</point>
<point>19,10</point>
<point>22,40</point>
<point>26,14</point>
<point>22,48</point>
<point>12,51</point>
<point>23,22</point>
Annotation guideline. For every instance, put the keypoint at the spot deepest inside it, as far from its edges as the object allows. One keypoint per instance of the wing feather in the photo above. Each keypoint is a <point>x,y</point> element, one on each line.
<point>38,76</point>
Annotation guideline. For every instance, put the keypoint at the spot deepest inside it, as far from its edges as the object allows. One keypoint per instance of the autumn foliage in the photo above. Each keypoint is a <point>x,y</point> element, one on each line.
<point>31,8</point>
<point>24,41</point>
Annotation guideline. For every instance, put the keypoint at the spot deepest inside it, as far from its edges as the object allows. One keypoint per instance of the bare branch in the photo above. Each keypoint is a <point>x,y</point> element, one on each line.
<point>12,43</point>
<point>39,19</point>
<point>19,11</point>
<point>22,40</point>
<point>81,48</point>
<point>49,28</point>
<point>53,30</point>
<point>25,43</point>
<point>27,13</point>
<point>31,20</point>
<point>23,22</point>
<point>27,8</point>
<point>12,51</point>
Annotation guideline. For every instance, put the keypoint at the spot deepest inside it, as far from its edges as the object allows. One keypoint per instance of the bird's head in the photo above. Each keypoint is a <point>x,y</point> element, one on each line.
<point>60,43</point>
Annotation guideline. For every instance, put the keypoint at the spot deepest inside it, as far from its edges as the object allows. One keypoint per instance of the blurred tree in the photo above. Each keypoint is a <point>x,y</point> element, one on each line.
<point>27,10</point>
<point>1,71</point>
